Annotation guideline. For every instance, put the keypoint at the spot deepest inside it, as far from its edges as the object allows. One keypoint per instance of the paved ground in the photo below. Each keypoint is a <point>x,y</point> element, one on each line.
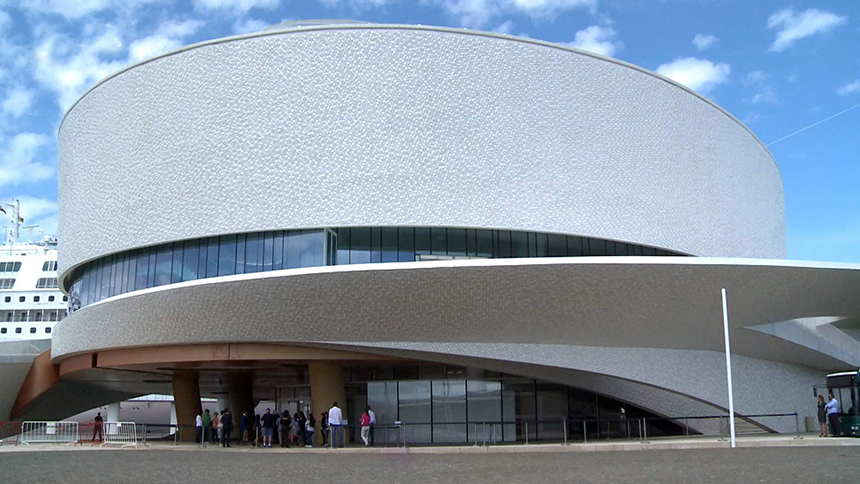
<point>807,465</point>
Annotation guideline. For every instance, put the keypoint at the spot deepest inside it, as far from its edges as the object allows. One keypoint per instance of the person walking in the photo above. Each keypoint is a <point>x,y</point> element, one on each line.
<point>833,415</point>
<point>295,426</point>
<point>284,428</point>
<point>207,427</point>
<point>98,427</point>
<point>310,423</point>
<point>243,428</point>
<point>822,416</point>
<point>335,417</point>
<point>324,427</point>
<point>216,425</point>
<point>372,424</point>
<point>198,437</point>
<point>364,420</point>
<point>268,423</point>
<point>226,427</point>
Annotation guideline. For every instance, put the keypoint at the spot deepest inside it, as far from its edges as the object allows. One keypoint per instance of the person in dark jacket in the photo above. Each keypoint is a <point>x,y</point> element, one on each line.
<point>284,428</point>
<point>243,429</point>
<point>226,427</point>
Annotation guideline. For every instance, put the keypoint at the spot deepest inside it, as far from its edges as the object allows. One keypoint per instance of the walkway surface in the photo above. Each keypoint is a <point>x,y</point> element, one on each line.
<point>811,463</point>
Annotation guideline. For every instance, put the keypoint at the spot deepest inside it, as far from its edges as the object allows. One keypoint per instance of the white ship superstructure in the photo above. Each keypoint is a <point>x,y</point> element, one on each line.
<point>30,302</point>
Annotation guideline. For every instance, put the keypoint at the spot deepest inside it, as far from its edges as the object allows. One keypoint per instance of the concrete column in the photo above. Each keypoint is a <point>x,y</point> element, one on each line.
<point>112,416</point>
<point>326,388</point>
<point>241,401</point>
<point>186,398</point>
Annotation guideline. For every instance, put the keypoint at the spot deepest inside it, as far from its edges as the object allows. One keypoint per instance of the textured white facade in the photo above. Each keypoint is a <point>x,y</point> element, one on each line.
<point>367,125</point>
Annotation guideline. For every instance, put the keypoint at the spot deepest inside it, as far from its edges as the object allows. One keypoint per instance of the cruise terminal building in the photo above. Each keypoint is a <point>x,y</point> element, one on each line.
<point>454,227</point>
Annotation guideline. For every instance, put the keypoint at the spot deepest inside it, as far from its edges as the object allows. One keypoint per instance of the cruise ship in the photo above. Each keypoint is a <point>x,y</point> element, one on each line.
<point>30,302</point>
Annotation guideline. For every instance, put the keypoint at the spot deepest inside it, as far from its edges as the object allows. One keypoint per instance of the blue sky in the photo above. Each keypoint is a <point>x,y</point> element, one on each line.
<point>778,66</point>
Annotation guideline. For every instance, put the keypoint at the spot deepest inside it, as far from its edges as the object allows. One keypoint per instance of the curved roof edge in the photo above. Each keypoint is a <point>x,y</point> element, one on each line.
<point>448,30</point>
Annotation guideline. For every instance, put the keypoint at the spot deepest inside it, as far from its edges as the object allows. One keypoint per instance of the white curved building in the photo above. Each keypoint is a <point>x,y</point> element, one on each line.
<point>451,226</point>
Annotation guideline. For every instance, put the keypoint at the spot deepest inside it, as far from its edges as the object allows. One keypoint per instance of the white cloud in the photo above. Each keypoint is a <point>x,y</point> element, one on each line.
<point>18,102</point>
<point>75,9</point>
<point>69,72</point>
<point>38,211</point>
<point>698,74</point>
<point>357,4</point>
<point>850,88</point>
<point>703,41</point>
<point>18,159</point>
<point>765,95</point>
<point>169,36</point>
<point>596,39</point>
<point>755,78</point>
<point>248,26</point>
<point>765,92</point>
<point>68,68</point>
<point>236,6</point>
<point>5,21</point>
<point>795,26</point>
<point>504,28</point>
<point>477,13</point>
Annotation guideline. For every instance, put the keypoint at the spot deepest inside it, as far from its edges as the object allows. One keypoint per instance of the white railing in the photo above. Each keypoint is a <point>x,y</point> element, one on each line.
<point>120,433</point>
<point>33,432</point>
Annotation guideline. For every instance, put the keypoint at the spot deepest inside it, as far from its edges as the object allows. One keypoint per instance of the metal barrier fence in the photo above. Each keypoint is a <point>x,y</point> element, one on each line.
<point>33,432</point>
<point>123,434</point>
<point>9,432</point>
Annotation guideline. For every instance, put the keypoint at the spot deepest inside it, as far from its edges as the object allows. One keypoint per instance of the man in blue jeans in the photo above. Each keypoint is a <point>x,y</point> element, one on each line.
<point>335,418</point>
<point>833,415</point>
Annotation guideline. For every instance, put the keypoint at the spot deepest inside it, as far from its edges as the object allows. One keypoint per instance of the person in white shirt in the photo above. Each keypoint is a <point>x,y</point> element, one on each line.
<point>198,438</point>
<point>372,423</point>
<point>335,417</point>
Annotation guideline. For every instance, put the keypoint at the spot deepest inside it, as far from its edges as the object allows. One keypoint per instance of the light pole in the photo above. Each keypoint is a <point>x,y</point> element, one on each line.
<point>729,368</point>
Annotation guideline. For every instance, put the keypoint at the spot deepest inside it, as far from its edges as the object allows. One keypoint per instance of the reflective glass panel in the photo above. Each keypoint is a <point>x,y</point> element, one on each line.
<point>519,244</point>
<point>189,260</point>
<point>227,255</point>
<point>163,261</point>
<point>415,409</point>
<point>389,244</point>
<point>439,241</point>
<point>176,265</point>
<point>360,249</point>
<point>406,246</point>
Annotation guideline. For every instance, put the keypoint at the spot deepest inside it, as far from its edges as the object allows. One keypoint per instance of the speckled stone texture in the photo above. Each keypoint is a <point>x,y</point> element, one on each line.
<point>406,125</point>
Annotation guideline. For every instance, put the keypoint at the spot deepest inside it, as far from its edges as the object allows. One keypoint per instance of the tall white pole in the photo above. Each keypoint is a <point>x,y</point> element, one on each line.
<point>729,368</point>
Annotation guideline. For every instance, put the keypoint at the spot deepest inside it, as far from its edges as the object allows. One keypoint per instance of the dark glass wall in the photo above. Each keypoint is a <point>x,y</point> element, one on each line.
<point>289,249</point>
<point>437,405</point>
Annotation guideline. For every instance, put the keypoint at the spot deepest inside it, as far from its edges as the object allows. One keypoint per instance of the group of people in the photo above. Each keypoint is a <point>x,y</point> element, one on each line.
<point>297,429</point>
<point>828,413</point>
<point>213,428</point>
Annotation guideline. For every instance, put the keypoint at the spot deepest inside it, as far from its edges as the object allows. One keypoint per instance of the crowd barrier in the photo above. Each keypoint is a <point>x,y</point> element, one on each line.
<point>9,432</point>
<point>123,434</point>
<point>33,432</point>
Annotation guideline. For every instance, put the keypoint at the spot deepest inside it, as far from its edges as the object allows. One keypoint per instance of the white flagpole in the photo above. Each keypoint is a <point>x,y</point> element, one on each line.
<point>729,368</point>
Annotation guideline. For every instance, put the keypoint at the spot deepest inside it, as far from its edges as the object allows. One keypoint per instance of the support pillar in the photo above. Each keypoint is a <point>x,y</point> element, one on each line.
<point>186,397</point>
<point>241,401</point>
<point>326,388</point>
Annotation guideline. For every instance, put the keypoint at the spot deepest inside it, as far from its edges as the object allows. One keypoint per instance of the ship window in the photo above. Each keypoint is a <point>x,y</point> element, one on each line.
<point>54,316</point>
<point>22,299</point>
<point>47,283</point>
<point>65,298</point>
<point>17,330</point>
<point>49,266</point>
<point>10,266</point>
<point>32,330</point>
<point>50,298</point>
<point>8,299</point>
<point>48,330</point>
<point>36,298</point>
<point>2,330</point>
<point>7,283</point>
